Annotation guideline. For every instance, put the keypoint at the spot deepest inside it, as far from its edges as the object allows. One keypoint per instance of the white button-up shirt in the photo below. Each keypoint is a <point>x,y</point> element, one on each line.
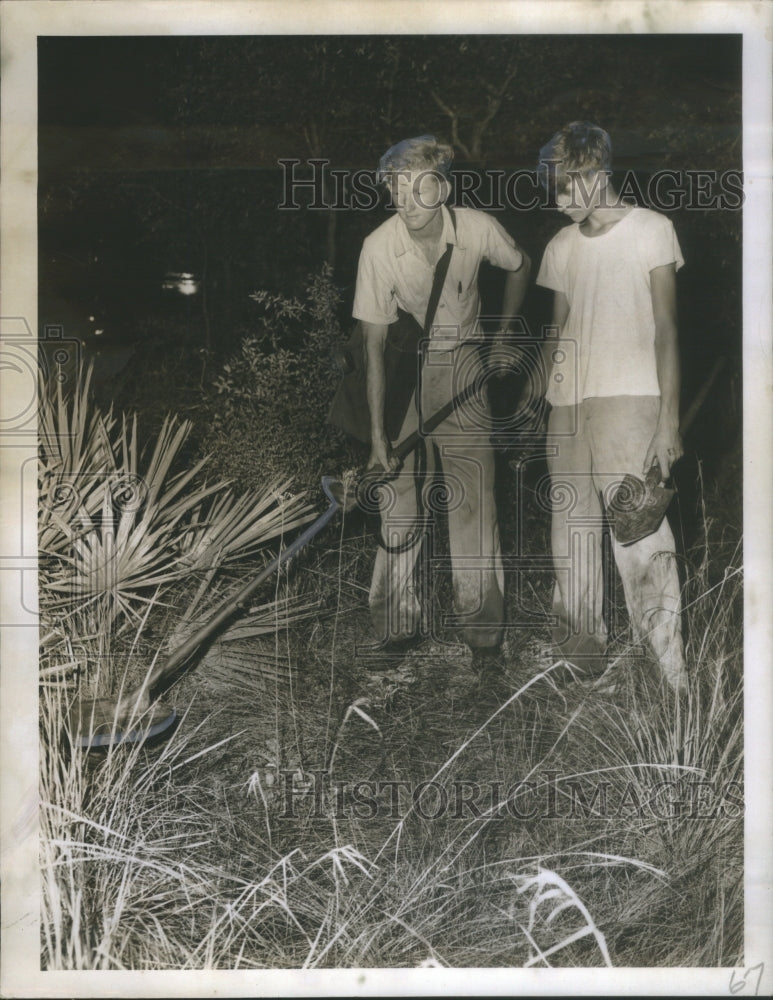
<point>393,273</point>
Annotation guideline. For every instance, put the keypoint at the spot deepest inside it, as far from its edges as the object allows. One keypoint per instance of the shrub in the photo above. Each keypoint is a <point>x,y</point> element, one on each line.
<point>268,412</point>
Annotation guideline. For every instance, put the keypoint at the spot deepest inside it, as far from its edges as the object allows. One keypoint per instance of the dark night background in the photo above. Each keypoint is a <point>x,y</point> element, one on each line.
<point>159,155</point>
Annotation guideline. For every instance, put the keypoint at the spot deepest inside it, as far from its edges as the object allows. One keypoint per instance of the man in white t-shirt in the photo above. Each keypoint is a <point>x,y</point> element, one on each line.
<point>396,270</point>
<point>614,391</point>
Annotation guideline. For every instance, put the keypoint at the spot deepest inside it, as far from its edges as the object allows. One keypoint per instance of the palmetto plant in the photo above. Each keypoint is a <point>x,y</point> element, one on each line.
<point>121,526</point>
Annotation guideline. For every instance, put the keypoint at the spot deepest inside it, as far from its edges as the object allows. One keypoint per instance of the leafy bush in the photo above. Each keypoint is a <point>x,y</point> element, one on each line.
<point>268,414</point>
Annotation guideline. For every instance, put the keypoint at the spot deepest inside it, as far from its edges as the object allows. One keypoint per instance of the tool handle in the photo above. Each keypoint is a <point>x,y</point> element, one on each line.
<point>232,604</point>
<point>406,446</point>
<point>654,475</point>
<point>700,398</point>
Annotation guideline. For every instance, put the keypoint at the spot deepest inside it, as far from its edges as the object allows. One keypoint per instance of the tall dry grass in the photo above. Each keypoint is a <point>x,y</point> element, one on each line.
<point>149,863</point>
<point>182,855</point>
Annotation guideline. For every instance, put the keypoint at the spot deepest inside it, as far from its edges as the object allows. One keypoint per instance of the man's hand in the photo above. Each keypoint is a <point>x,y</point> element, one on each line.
<point>506,358</point>
<point>665,448</point>
<point>381,456</point>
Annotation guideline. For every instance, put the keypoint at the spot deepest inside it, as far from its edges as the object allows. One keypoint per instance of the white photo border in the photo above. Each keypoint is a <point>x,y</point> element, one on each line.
<point>22,23</point>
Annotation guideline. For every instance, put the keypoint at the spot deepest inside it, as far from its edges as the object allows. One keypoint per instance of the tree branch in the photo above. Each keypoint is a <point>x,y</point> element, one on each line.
<point>495,97</point>
<point>454,118</point>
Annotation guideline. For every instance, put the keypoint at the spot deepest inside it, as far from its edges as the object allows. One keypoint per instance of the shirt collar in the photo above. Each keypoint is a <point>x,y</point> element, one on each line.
<point>448,235</point>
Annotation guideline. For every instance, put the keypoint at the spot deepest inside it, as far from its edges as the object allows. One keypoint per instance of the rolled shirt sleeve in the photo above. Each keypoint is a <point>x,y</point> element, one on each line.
<point>374,298</point>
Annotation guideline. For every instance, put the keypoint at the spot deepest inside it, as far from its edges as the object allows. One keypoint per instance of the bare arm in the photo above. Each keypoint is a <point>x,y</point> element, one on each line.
<point>666,444</point>
<point>374,337</point>
<point>560,310</point>
<point>516,285</point>
<point>560,315</point>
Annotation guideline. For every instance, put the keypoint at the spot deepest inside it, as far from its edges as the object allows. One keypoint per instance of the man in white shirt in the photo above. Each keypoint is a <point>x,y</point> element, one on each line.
<point>614,391</point>
<point>396,270</point>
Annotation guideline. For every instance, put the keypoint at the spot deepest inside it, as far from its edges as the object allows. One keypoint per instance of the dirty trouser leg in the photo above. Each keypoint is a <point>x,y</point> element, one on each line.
<point>580,634</point>
<point>467,460</point>
<point>621,429</point>
<point>394,601</point>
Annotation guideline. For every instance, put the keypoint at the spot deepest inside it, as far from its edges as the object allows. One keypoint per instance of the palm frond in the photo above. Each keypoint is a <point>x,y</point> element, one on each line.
<point>118,522</point>
<point>239,527</point>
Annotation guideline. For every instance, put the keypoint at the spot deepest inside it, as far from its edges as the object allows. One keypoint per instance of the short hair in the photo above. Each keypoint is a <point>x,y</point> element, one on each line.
<point>424,152</point>
<point>578,147</point>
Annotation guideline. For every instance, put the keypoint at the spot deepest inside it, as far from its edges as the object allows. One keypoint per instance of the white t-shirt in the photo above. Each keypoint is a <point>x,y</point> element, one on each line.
<point>393,273</point>
<point>607,345</point>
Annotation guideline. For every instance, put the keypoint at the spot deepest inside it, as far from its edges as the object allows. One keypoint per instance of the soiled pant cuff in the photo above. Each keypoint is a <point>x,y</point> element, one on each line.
<point>584,651</point>
<point>481,638</point>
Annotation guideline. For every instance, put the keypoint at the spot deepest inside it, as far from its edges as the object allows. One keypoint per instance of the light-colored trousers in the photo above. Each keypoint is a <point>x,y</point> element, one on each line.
<point>460,447</point>
<point>590,448</point>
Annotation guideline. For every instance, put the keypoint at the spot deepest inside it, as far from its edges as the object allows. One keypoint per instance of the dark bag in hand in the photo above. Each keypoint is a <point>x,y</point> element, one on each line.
<point>349,410</point>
